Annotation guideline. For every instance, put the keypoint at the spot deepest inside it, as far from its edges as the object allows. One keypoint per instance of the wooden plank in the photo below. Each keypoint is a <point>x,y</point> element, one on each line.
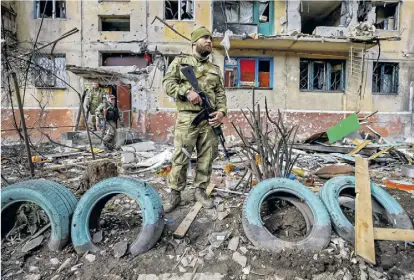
<point>368,151</point>
<point>188,220</point>
<point>359,148</point>
<point>364,231</point>
<point>394,234</point>
<point>383,151</point>
<point>343,128</point>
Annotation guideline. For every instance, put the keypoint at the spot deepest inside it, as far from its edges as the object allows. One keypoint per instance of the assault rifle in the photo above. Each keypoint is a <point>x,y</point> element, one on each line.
<point>206,108</point>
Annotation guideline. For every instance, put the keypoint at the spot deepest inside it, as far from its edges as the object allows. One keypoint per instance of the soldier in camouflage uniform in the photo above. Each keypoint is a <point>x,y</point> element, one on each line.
<point>93,98</point>
<point>109,114</point>
<point>188,102</point>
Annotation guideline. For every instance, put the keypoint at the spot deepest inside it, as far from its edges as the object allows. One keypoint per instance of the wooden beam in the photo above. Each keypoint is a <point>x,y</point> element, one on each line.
<point>359,148</point>
<point>364,231</point>
<point>188,220</point>
<point>394,234</point>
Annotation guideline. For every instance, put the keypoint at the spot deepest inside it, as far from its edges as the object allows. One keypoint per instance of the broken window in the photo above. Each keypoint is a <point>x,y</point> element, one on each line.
<point>239,11</point>
<point>179,9</point>
<point>248,72</point>
<point>322,75</point>
<point>124,59</point>
<point>51,8</point>
<point>320,13</point>
<point>55,74</point>
<point>385,78</point>
<point>386,15</point>
<point>114,23</point>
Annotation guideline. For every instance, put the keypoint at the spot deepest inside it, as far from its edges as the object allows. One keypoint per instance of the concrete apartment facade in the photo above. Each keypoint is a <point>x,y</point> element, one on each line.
<point>307,58</point>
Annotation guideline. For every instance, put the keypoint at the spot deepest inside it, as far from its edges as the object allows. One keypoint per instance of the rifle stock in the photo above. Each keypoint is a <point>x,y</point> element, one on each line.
<point>206,107</point>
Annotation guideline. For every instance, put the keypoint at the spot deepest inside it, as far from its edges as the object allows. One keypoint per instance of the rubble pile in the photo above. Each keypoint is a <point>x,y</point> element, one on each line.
<point>216,243</point>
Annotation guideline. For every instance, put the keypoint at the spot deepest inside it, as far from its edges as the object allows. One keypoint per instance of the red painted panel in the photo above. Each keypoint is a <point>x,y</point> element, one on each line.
<point>123,96</point>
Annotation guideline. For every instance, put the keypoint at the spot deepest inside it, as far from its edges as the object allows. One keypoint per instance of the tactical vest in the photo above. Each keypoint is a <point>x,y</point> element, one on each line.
<point>112,113</point>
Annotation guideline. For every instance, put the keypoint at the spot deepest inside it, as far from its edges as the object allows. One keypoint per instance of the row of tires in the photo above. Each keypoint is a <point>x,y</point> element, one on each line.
<point>321,212</point>
<point>73,220</point>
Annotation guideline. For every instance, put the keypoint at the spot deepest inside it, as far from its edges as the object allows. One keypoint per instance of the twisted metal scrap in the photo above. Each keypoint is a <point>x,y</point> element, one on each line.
<point>273,155</point>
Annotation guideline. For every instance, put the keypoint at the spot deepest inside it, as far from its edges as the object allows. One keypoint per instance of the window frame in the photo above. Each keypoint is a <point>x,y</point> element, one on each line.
<point>256,75</point>
<point>102,18</point>
<point>59,84</point>
<point>396,75</point>
<point>311,75</point>
<point>179,12</point>
<point>38,14</point>
<point>396,16</point>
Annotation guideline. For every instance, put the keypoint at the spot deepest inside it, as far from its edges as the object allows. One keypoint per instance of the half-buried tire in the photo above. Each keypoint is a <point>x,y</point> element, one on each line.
<point>317,239</point>
<point>57,202</point>
<point>330,192</point>
<point>89,209</point>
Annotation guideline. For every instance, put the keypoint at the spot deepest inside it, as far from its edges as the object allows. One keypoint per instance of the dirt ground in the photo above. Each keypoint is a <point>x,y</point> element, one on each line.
<point>198,251</point>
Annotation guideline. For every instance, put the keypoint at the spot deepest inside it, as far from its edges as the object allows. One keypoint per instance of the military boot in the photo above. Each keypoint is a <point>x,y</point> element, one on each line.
<point>171,201</point>
<point>201,196</point>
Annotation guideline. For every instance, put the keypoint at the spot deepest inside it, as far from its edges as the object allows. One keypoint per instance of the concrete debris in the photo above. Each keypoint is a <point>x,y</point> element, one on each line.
<point>75,267</point>
<point>90,257</point>
<point>222,215</point>
<point>97,237</point>
<point>32,244</point>
<point>54,261</point>
<point>240,259</point>
<point>243,250</point>
<point>233,243</point>
<point>139,147</point>
<point>64,265</point>
<point>120,249</point>
<point>375,275</point>
<point>363,274</point>
<point>56,277</point>
<point>217,238</point>
<point>181,269</point>
<point>33,269</point>
<point>363,29</point>
<point>184,261</point>
<point>246,270</point>
<point>32,277</point>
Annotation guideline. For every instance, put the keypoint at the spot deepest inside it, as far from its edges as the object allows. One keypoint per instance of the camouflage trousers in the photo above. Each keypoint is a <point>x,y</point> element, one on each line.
<point>93,118</point>
<point>109,140</point>
<point>186,138</point>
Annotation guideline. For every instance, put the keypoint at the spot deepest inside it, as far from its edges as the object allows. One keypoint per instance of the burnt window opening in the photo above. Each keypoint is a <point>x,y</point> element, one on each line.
<point>52,71</point>
<point>319,13</point>
<point>124,59</point>
<point>322,75</point>
<point>115,23</point>
<point>248,72</point>
<point>238,11</point>
<point>52,9</point>
<point>385,78</point>
<point>387,16</point>
<point>179,9</point>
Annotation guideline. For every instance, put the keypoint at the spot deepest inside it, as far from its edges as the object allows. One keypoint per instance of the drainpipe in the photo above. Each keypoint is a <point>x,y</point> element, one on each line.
<point>410,107</point>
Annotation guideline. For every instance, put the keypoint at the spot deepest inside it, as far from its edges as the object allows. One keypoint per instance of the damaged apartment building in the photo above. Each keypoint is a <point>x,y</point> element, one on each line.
<point>316,61</point>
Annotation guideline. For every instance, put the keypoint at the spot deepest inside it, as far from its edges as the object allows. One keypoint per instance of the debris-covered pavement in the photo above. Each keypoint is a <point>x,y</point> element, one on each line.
<point>215,247</point>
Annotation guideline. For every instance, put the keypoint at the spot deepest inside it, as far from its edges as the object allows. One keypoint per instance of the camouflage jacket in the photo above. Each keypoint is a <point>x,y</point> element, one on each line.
<point>209,78</point>
<point>93,98</point>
